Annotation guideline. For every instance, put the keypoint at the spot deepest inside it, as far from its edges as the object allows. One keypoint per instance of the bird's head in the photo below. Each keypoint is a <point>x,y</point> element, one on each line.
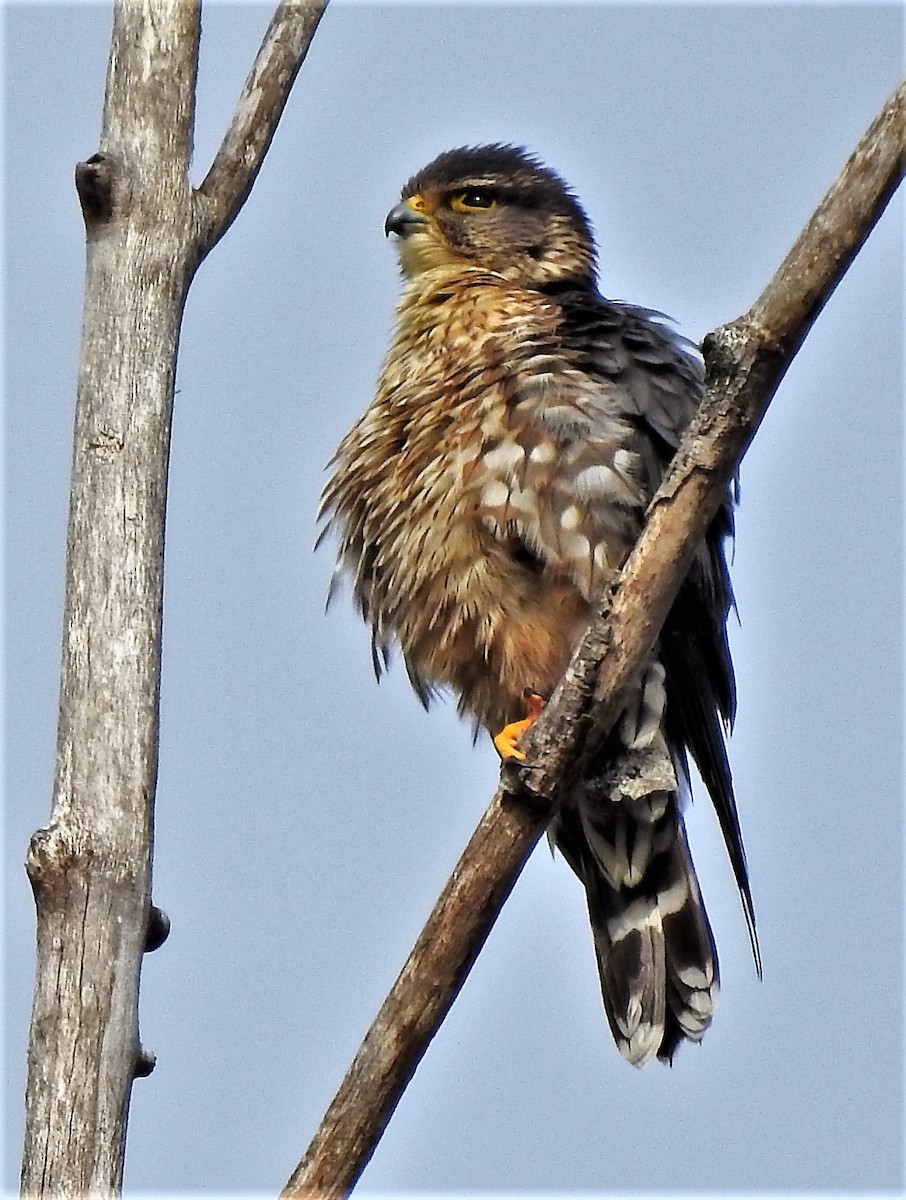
<point>497,208</point>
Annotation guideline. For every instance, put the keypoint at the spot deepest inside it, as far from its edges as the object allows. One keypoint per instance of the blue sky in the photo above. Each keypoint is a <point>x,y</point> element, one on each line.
<point>306,817</point>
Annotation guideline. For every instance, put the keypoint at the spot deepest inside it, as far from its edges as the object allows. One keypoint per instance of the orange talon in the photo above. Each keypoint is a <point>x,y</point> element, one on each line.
<point>505,742</point>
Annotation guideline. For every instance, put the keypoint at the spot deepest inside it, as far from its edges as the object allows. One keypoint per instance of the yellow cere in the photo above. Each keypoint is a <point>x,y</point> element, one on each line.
<point>421,204</point>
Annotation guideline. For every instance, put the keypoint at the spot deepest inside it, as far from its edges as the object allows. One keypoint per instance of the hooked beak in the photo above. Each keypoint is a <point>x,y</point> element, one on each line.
<point>403,220</point>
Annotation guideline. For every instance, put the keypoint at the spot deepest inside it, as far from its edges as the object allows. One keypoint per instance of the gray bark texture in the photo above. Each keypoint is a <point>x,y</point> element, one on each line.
<point>90,867</point>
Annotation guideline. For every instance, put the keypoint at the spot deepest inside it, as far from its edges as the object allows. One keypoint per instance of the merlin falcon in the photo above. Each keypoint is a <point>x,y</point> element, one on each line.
<point>493,488</point>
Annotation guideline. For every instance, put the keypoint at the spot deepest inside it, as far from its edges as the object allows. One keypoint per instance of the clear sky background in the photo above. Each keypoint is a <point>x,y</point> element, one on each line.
<point>306,818</point>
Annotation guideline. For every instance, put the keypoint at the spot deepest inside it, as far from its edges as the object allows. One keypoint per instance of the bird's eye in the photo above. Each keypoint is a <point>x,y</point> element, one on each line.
<point>473,200</point>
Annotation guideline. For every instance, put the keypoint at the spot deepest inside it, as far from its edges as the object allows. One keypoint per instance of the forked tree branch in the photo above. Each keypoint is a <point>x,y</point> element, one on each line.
<point>746,361</point>
<point>90,867</point>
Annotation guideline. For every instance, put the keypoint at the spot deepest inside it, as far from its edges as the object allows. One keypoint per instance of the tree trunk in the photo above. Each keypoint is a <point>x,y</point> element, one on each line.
<point>90,868</point>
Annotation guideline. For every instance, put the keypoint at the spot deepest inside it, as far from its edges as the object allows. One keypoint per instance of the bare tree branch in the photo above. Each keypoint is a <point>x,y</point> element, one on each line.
<point>238,161</point>
<point>90,868</point>
<point>746,361</point>
<point>418,1002</point>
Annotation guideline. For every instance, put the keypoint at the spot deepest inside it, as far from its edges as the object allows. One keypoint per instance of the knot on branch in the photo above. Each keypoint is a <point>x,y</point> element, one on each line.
<point>50,858</point>
<point>157,930</point>
<point>106,442</point>
<point>145,1062</point>
<point>94,183</point>
<point>723,348</point>
<point>521,791</point>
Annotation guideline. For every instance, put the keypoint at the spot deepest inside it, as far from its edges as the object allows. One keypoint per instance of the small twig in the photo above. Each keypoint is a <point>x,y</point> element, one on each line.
<point>264,96</point>
<point>746,361</point>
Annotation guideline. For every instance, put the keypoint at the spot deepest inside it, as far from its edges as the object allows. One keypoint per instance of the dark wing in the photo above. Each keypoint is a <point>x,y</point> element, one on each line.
<point>657,378</point>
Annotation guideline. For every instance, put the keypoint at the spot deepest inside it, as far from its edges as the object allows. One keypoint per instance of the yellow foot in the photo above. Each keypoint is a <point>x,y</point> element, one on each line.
<point>506,741</point>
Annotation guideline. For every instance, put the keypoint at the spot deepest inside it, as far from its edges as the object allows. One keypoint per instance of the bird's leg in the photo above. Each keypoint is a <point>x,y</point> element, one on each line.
<point>505,742</point>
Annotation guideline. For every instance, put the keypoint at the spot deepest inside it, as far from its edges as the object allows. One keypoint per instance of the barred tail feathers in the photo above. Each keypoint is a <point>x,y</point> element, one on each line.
<point>655,951</point>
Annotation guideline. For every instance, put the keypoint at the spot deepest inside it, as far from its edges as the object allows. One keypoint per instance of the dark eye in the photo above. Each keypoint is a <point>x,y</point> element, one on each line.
<point>473,200</point>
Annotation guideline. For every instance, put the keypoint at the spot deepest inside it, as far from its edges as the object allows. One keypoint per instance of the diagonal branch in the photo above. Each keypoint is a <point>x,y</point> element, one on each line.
<point>238,161</point>
<point>746,361</point>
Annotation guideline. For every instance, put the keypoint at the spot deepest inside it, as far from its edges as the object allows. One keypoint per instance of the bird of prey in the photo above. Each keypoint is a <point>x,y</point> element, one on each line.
<point>489,493</point>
